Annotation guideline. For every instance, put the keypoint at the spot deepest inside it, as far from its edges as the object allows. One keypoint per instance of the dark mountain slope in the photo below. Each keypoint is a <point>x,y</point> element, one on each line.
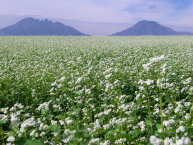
<point>149,28</point>
<point>30,26</point>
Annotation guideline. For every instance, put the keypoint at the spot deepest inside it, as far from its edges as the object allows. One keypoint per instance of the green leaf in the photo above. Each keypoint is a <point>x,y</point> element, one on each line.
<point>53,127</point>
<point>148,122</point>
<point>159,126</point>
<point>28,142</point>
<point>33,142</point>
<point>135,133</point>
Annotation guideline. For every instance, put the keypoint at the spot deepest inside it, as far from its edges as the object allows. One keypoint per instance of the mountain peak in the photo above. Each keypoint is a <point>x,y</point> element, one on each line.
<point>31,26</point>
<point>145,27</point>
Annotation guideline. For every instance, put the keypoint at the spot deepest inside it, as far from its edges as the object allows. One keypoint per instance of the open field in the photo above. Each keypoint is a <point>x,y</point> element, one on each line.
<point>96,90</point>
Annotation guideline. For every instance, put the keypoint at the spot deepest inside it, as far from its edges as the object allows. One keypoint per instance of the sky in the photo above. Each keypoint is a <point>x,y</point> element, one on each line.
<point>168,12</point>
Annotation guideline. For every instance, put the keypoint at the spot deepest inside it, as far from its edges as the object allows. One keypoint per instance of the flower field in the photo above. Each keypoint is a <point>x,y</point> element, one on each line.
<point>96,90</point>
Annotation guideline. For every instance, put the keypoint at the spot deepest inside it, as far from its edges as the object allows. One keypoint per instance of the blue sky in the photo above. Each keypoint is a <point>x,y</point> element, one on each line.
<point>110,11</point>
<point>168,12</point>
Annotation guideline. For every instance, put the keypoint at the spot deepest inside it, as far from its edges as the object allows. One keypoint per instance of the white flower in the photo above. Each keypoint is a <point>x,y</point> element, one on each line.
<point>120,141</point>
<point>108,76</point>
<point>159,83</point>
<point>60,86</point>
<point>168,141</point>
<point>157,58</point>
<point>78,80</point>
<point>187,81</point>
<point>177,110</point>
<point>94,140</point>
<point>106,112</point>
<point>28,123</point>
<point>61,79</point>
<point>61,122</point>
<point>11,139</point>
<point>53,122</point>
<point>5,110</point>
<point>14,119</point>
<point>149,82</point>
<point>155,141</point>
<point>183,141</point>
<point>68,121</point>
<point>180,129</point>
<point>32,133</point>
<point>142,125</point>
<point>42,133</point>
<point>107,142</point>
<point>106,126</point>
<point>97,124</point>
<point>54,84</point>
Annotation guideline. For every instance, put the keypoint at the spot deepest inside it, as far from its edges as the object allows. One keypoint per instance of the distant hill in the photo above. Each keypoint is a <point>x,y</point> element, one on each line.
<point>149,28</point>
<point>31,26</point>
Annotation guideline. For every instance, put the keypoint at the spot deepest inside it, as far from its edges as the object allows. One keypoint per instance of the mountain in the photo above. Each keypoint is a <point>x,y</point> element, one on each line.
<point>31,26</point>
<point>149,28</point>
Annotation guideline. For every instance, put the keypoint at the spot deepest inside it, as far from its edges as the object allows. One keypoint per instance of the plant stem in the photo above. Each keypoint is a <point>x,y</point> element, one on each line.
<point>160,98</point>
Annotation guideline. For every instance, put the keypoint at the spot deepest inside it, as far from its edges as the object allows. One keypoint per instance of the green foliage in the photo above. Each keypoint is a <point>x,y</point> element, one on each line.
<point>92,90</point>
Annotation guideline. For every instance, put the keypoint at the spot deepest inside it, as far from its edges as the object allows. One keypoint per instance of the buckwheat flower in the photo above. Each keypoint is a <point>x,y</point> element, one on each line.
<point>12,108</point>
<point>149,82</point>
<point>141,88</point>
<point>53,122</point>
<point>42,133</point>
<point>94,140</point>
<point>14,119</point>
<point>32,133</point>
<point>106,112</point>
<point>44,106</point>
<point>107,142</point>
<point>52,94</point>
<point>142,125</point>
<point>54,84</point>
<point>36,134</point>
<point>9,143</point>
<point>97,124</point>
<point>67,140</point>
<point>88,91</point>
<point>168,141</point>
<point>155,141</point>
<point>5,110</point>
<point>61,122</point>
<point>60,86</point>
<point>61,79</point>
<point>157,58</point>
<point>108,71</point>
<point>45,127</point>
<point>180,129</point>
<point>106,126</point>
<point>177,110</point>
<point>55,134</point>
<point>146,66</point>
<point>69,121</point>
<point>186,140</point>
<point>11,139</point>
<point>187,116</point>
<point>187,104</point>
<point>108,76</point>
<point>29,122</point>
<point>120,141</point>
<point>3,118</point>
<point>187,81</point>
<point>159,83</point>
<point>79,80</point>
<point>19,105</point>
